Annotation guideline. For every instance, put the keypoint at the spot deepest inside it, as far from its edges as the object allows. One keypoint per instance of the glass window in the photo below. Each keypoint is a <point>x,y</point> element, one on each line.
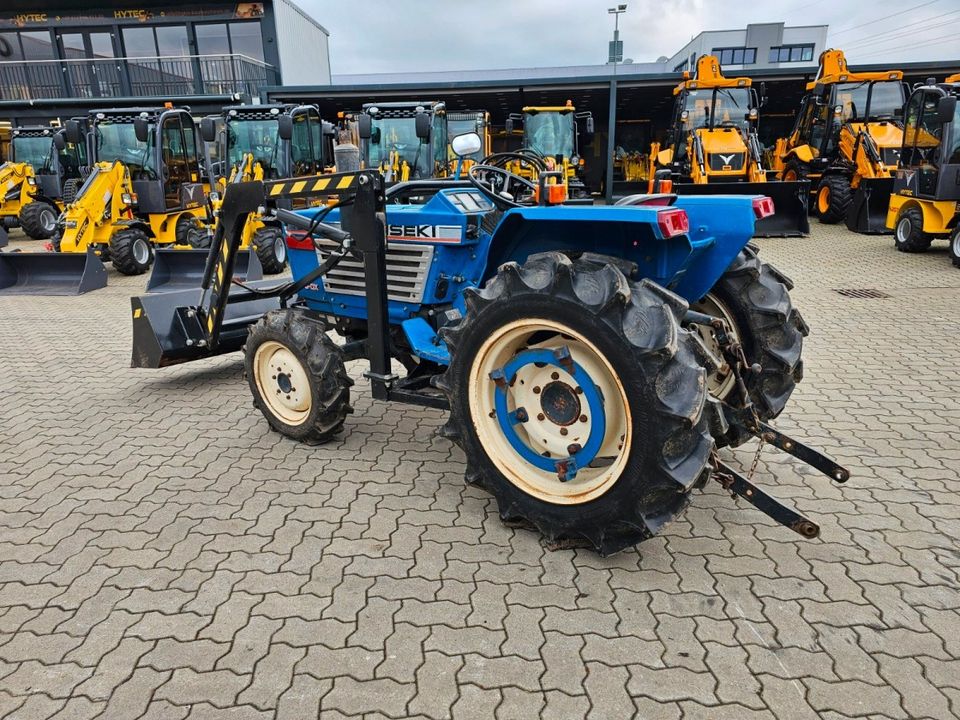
<point>246,39</point>
<point>738,56</point>
<point>212,39</point>
<point>257,137</point>
<point>34,151</point>
<point>300,146</point>
<point>172,41</point>
<point>73,46</point>
<point>102,44</point>
<point>774,55</point>
<point>808,53</point>
<point>139,42</point>
<point>10,47</point>
<point>118,141</point>
<point>750,56</point>
<point>796,54</point>
<point>36,45</point>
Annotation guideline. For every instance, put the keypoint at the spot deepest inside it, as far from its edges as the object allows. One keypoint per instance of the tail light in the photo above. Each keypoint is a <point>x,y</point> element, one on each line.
<point>673,222</point>
<point>299,241</point>
<point>762,207</point>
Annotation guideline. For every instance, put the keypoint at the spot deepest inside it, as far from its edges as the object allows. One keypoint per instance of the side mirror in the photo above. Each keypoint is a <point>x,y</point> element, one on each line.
<point>59,141</point>
<point>588,125</point>
<point>422,122</point>
<point>364,126</point>
<point>753,115</point>
<point>508,126</point>
<point>285,127</point>
<point>946,108</point>
<point>466,144</point>
<point>141,129</point>
<point>72,133</point>
<point>208,129</point>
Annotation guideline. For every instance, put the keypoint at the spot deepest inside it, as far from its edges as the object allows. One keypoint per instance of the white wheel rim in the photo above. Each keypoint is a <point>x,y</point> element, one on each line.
<point>280,250</point>
<point>48,220</point>
<point>903,229</point>
<point>539,431</point>
<point>721,382</point>
<point>282,382</point>
<point>141,251</point>
<point>956,243</point>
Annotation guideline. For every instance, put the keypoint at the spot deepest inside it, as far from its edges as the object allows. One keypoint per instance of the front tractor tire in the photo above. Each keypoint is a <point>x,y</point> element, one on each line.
<point>38,219</point>
<point>297,376</point>
<point>579,401</point>
<point>754,299</point>
<point>131,251</point>
<point>834,197</point>
<point>271,249</point>
<point>908,234</point>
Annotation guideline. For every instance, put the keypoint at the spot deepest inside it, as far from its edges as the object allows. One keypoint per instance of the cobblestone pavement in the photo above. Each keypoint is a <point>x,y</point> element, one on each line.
<point>163,555</point>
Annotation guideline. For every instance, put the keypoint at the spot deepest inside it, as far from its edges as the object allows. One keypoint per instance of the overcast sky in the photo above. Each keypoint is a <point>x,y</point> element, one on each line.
<point>411,35</point>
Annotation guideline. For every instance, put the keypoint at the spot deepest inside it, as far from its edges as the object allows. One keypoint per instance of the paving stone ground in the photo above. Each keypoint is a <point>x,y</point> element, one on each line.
<point>164,555</point>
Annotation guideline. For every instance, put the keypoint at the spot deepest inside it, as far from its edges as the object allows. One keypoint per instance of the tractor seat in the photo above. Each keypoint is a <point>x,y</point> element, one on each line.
<point>648,199</point>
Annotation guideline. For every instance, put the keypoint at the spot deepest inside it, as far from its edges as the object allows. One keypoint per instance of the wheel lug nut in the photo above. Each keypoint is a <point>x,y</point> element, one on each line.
<point>573,448</point>
<point>583,418</point>
<point>563,431</point>
<point>541,417</point>
<point>555,375</point>
<point>536,390</point>
<point>578,390</point>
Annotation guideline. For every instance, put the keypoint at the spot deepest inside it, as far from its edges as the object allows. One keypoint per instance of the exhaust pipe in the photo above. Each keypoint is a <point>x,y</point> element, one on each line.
<point>51,273</point>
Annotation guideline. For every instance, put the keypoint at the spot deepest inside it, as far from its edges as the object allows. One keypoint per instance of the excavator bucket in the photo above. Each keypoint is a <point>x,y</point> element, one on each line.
<point>791,203</point>
<point>162,324</point>
<point>868,211</point>
<point>183,269</point>
<point>50,273</point>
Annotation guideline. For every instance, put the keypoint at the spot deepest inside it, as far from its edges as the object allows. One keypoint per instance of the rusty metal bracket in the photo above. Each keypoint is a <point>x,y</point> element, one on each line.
<point>737,484</point>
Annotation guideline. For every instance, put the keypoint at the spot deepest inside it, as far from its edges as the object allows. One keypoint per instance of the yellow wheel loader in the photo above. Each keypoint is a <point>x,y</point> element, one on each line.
<point>712,148</point>
<point>925,204</point>
<point>552,135</point>
<point>847,141</point>
<point>404,140</point>
<point>145,189</point>
<point>266,142</point>
<point>44,173</point>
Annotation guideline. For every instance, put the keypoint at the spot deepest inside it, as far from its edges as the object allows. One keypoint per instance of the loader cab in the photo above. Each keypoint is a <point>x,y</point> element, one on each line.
<point>54,160</point>
<point>931,144</point>
<point>161,150</point>
<point>713,108</point>
<point>554,132</point>
<point>286,140</point>
<point>470,122</point>
<point>407,141</point>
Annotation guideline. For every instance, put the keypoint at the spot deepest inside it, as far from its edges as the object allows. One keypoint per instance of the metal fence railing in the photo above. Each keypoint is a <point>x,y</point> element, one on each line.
<point>134,76</point>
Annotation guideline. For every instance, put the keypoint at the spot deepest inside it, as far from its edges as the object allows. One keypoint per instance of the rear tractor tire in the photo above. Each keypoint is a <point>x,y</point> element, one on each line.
<point>753,297</point>
<point>131,251</point>
<point>834,198</point>
<point>297,376</point>
<point>271,249</point>
<point>908,234</point>
<point>579,401</point>
<point>38,219</point>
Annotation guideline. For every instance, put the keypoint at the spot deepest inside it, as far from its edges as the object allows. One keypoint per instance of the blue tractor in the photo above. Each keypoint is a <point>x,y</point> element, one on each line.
<point>593,359</point>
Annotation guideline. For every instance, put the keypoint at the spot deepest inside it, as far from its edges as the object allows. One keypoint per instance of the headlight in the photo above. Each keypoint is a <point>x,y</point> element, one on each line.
<point>128,199</point>
<point>214,196</point>
<point>32,181</point>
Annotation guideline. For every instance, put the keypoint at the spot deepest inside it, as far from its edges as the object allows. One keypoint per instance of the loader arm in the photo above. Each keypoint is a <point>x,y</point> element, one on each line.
<point>106,196</point>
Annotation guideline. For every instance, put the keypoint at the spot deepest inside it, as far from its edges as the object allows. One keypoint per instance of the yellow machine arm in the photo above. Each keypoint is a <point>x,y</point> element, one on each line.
<point>107,196</point>
<point>15,176</point>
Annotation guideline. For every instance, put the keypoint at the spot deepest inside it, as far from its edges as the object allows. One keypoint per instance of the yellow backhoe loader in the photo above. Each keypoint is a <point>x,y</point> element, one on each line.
<point>847,141</point>
<point>712,148</point>
<point>925,204</point>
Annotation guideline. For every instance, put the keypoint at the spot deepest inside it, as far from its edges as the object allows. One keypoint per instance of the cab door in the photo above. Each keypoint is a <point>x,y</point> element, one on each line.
<point>176,167</point>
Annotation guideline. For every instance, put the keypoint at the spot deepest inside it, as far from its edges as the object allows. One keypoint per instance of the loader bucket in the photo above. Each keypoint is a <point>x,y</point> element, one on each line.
<point>50,273</point>
<point>868,211</point>
<point>161,323</point>
<point>791,202</point>
<point>183,269</point>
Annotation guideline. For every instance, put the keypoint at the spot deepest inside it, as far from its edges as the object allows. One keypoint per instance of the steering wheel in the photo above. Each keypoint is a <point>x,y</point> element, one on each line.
<point>496,183</point>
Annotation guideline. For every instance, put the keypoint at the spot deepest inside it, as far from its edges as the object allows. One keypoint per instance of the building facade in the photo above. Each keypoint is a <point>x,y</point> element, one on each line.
<point>79,54</point>
<point>759,46</point>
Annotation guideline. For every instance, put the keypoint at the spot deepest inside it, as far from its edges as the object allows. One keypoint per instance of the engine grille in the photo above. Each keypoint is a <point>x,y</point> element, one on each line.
<point>727,161</point>
<point>408,265</point>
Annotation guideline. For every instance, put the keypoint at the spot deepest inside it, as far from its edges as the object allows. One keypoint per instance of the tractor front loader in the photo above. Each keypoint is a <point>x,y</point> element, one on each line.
<point>712,148</point>
<point>592,358</point>
<point>847,142</point>
<point>925,204</point>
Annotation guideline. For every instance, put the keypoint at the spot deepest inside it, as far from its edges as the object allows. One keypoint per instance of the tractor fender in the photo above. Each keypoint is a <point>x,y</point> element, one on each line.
<point>127,223</point>
<point>803,153</point>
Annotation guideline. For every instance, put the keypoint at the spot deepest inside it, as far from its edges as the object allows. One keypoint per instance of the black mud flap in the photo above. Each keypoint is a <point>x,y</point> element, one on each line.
<point>791,203</point>
<point>50,273</point>
<point>167,331</point>
<point>183,269</point>
<point>868,211</point>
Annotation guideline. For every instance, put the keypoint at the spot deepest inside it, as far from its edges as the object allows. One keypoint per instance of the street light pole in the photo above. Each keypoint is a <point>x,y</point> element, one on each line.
<point>615,55</point>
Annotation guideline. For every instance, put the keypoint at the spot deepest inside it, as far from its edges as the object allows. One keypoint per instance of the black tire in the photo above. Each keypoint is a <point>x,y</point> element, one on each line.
<point>635,328</point>
<point>271,248</point>
<point>38,219</point>
<point>304,339</point>
<point>191,232</point>
<point>131,251</point>
<point>70,188</point>
<point>908,234</point>
<point>756,301</point>
<point>838,199</point>
<point>794,170</point>
<point>955,246</point>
